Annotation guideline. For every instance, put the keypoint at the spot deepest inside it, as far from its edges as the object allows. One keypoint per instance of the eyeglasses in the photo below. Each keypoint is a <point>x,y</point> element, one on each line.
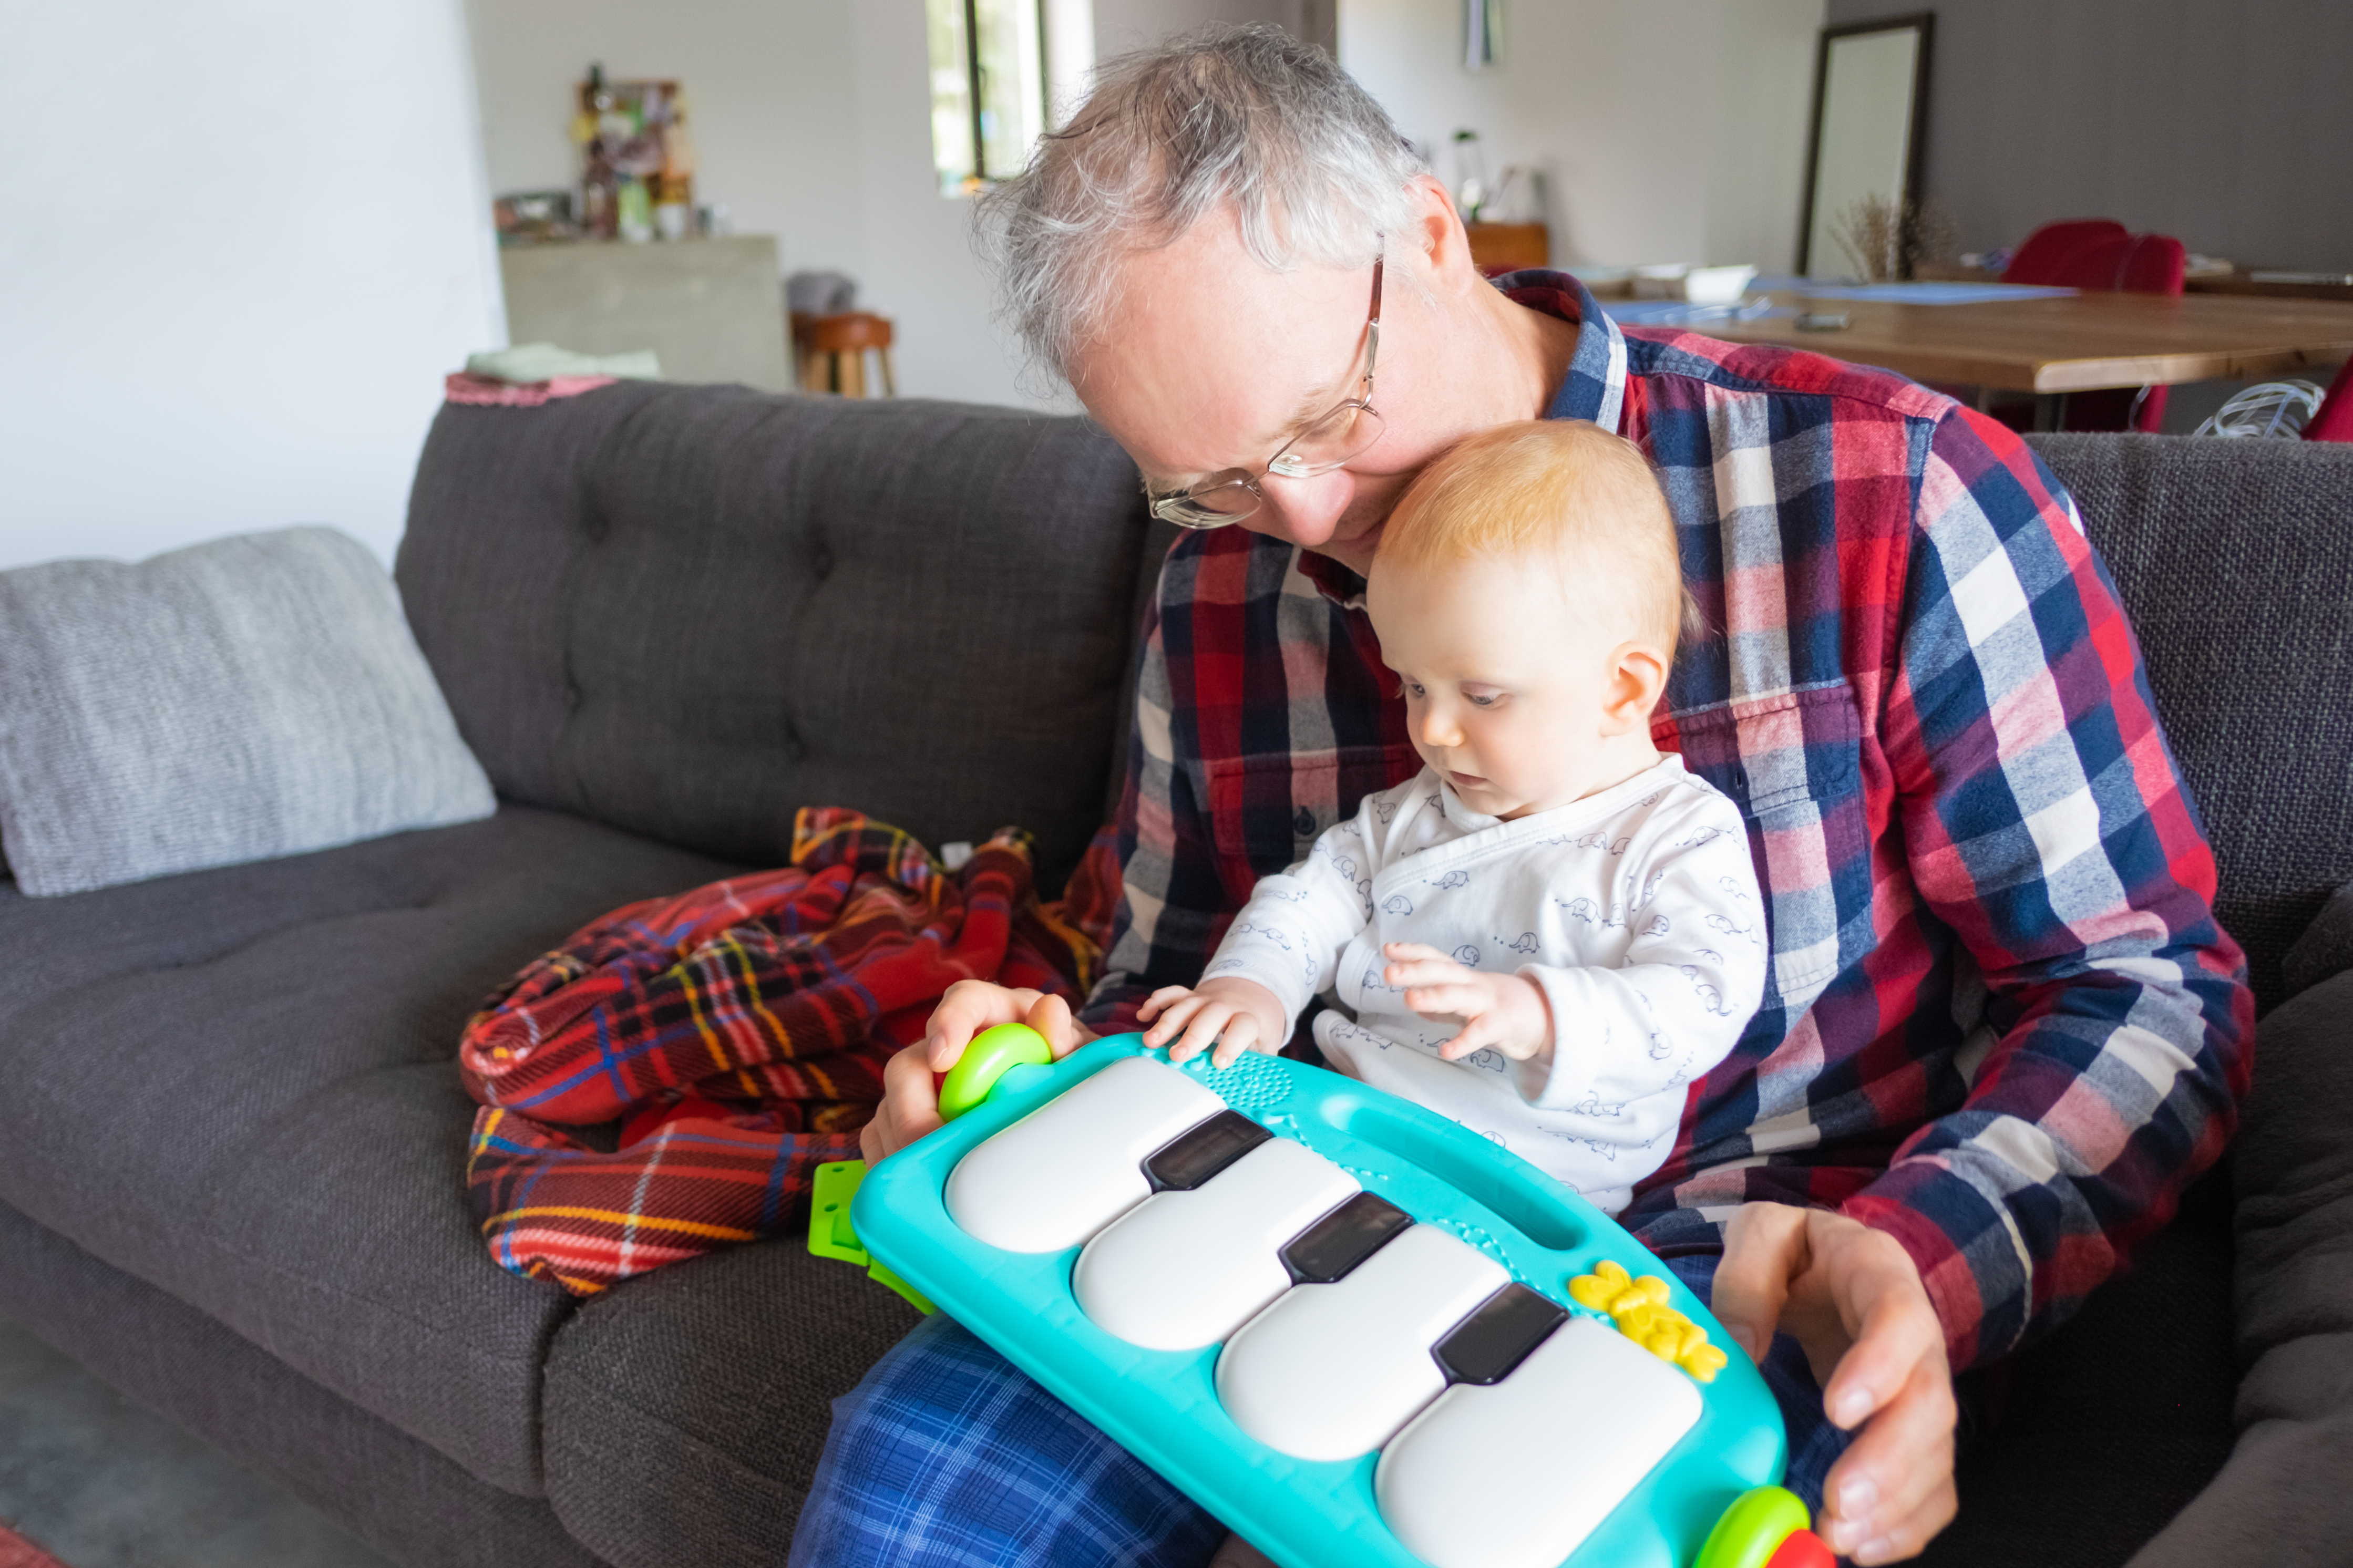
<point>1334,440</point>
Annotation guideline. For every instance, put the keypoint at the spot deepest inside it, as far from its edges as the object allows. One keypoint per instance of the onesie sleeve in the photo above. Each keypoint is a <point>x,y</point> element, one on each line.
<point>1288,936</point>
<point>1694,972</point>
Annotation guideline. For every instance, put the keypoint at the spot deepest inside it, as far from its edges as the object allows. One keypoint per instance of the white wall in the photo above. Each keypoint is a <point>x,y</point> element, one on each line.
<point>771,99</point>
<point>812,121</point>
<point>1124,24</point>
<point>243,245</point>
<point>1666,130</point>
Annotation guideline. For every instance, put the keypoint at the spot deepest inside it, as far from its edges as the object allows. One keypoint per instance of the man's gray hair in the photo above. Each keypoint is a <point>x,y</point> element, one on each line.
<point>1241,116</point>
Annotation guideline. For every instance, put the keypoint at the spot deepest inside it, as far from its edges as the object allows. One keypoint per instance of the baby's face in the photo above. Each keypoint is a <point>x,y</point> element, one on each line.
<point>1506,688</point>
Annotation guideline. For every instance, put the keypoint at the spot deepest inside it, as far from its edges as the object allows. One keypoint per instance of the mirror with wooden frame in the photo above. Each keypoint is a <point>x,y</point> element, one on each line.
<point>1870,131</point>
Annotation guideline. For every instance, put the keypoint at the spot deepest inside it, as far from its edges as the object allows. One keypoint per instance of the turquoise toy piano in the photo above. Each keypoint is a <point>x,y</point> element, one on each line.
<point>1350,1329</point>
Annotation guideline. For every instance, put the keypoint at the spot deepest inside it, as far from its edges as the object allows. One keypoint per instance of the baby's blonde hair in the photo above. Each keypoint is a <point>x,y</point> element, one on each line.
<point>1564,488</point>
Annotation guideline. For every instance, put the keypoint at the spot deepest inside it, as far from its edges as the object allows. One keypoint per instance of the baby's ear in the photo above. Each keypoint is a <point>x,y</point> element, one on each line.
<point>1638,673</point>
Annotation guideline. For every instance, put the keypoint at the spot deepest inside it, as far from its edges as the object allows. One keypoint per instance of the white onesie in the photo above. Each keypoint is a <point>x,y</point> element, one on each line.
<point>1635,910</point>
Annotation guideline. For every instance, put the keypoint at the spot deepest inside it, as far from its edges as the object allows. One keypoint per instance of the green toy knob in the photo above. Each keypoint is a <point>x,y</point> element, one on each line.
<point>986,1061</point>
<point>1753,1528</point>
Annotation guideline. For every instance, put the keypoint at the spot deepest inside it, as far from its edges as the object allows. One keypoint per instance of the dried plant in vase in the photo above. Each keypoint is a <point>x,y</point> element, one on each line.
<point>1888,240</point>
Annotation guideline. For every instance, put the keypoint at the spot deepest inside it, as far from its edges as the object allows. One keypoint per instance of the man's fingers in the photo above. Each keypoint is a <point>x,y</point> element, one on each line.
<point>1910,1535</point>
<point>1893,1488</point>
<point>1896,1330</point>
<point>1050,1015</point>
<point>968,1008</point>
<point>1763,1248</point>
<point>909,1106</point>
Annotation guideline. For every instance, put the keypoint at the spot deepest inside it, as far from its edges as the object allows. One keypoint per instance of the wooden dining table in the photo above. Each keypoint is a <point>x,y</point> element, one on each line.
<point>2051,345</point>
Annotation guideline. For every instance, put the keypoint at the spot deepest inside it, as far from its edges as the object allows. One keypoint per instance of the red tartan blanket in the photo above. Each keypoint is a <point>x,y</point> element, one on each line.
<point>737,1034</point>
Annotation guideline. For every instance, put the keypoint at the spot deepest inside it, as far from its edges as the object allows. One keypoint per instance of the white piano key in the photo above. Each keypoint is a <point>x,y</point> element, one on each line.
<point>1074,1164</point>
<point>1332,1370</point>
<point>1186,1269</point>
<point>1517,1475</point>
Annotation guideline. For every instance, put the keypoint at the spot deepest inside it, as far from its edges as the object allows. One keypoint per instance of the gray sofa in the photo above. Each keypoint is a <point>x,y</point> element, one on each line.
<point>231,1132</point>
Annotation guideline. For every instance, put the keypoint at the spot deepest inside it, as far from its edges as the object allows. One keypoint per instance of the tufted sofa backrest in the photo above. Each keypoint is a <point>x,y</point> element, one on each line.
<point>688,611</point>
<point>2235,561</point>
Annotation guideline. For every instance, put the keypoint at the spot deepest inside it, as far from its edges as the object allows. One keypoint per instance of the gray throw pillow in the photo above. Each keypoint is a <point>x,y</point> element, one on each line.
<point>250,698</point>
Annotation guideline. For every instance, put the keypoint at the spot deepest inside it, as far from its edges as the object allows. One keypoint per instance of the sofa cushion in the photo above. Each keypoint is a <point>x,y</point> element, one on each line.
<point>401,1495</point>
<point>2282,1499</point>
<point>689,611</point>
<point>2233,559</point>
<point>238,1086</point>
<point>251,696</point>
<point>2325,949</point>
<point>684,1412</point>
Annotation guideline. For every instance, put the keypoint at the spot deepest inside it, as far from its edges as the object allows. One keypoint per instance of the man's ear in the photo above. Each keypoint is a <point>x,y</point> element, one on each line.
<point>1638,673</point>
<point>1437,248</point>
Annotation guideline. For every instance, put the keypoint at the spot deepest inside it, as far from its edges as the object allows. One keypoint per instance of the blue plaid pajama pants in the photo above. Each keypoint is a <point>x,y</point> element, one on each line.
<point>947,1456</point>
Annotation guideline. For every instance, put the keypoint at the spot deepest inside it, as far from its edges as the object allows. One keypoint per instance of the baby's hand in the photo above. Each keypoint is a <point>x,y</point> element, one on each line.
<point>1240,1014</point>
<point>1500,1011</point>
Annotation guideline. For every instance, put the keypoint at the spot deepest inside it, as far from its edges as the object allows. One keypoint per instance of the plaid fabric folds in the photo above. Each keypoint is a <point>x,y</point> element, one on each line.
<point>736,1036</point>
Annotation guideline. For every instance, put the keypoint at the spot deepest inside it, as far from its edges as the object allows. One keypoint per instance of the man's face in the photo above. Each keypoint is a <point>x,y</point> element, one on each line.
<point>1209,360</point>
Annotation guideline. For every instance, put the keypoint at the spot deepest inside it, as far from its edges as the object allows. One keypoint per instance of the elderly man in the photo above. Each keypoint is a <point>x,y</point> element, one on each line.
<point>2001,1030</point>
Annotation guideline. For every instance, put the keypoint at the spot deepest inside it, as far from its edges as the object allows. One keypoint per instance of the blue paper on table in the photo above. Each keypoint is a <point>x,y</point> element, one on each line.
<point>1911,293</point>
<point>1676,313</point>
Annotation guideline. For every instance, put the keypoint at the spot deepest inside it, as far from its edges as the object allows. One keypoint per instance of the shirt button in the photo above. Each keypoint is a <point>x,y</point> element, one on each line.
<point>1304,825</point>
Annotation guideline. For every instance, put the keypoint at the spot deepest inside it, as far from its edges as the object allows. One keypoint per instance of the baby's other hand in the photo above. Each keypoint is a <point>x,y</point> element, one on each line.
<point>1238,1014</point>
<point>1501,1012</point>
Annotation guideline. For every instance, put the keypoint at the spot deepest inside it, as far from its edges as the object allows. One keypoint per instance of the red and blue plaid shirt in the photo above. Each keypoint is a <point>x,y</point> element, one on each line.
<point>2001,1023</point>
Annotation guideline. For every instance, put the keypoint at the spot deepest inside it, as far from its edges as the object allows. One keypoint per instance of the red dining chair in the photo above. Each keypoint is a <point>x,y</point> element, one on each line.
<point>2109,263</point>
<point>2038,256</point>
<point>2333,421</point>
<point>2126,264</point>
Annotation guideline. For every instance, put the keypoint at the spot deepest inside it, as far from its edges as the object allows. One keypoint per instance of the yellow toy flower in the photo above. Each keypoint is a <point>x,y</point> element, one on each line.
<point>1639,1309</point>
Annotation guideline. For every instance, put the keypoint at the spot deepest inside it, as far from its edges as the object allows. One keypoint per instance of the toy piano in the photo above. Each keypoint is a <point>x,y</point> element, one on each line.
<point>1352,1329</point>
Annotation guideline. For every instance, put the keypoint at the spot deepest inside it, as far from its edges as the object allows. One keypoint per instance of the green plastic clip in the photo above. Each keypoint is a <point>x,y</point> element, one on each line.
<point>829,1232</point>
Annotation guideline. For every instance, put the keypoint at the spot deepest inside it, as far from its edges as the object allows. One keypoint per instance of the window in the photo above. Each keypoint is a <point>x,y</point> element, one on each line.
<point>989,88</point>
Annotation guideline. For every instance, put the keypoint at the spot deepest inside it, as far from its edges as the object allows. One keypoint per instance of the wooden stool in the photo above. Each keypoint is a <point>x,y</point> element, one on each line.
<point>831,351</point>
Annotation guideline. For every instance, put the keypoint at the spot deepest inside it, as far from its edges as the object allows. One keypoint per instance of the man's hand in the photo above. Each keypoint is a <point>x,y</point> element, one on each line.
<point>1852,1297</point>
<point>911,1099</point>
<point>1502,1012</point>
<point>1238,1014</point>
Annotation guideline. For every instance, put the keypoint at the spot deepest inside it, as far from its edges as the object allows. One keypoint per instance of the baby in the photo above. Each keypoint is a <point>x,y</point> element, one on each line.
<point>1583,909</point>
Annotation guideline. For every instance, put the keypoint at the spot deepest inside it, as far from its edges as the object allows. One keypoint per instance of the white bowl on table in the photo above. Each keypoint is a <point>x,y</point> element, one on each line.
<point>1693,285</point>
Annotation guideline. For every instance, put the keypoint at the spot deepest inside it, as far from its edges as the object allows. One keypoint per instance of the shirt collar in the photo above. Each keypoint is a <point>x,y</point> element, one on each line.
<point>1593,388</point>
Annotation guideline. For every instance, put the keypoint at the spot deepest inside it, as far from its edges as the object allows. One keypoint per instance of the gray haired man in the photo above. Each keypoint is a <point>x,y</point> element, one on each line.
<point>2001,1030</point>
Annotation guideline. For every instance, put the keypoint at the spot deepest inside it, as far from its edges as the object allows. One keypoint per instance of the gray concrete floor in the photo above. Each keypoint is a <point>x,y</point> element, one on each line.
<point>103,1482</point>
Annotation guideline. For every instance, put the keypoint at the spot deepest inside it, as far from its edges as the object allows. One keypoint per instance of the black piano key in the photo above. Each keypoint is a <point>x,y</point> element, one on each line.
<point>1497,1336</point>
<point>1327,1249</point>
<point>1191,1158</point>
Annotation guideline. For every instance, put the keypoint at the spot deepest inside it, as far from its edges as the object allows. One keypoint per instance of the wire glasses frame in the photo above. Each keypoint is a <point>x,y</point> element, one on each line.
<point>1335,440</point>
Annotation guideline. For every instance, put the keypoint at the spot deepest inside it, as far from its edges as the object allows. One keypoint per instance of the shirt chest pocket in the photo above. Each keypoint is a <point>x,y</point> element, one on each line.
<point>1266,811</point>
<point>1792,762</point>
